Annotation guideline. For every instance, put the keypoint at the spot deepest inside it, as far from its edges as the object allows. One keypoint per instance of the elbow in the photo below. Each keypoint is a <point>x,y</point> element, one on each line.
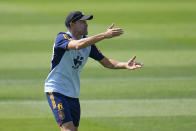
<point>107,63</point>
<point>75,47</point>
<point>79,46</point>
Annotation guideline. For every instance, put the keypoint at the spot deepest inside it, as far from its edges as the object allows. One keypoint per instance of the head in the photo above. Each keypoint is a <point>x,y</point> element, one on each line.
<point>76,22</point>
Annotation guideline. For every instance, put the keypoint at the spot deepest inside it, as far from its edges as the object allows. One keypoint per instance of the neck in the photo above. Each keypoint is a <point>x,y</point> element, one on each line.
<point>76,35</point>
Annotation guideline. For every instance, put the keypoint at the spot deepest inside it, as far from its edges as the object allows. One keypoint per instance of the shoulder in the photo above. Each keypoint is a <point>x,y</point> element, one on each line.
<point>62,40</point>
<point>62,36</point>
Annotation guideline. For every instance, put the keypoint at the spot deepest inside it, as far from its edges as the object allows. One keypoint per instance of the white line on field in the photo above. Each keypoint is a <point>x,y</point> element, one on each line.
<point>102,79</point>
<point>139,79</point>
<point>105,108</point>
<point>99,100</point>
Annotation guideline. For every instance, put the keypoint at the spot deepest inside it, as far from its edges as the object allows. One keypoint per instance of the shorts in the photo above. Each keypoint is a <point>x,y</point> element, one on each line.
<point>64,108</point>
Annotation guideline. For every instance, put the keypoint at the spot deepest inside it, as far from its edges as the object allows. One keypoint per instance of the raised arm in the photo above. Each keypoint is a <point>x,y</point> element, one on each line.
<point>82,43</point>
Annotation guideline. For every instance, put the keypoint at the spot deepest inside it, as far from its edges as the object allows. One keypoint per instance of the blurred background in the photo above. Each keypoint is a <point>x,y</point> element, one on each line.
<point>159,97</point>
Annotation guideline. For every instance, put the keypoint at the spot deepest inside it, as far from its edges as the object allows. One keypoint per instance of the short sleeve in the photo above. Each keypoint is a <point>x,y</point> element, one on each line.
<point>95,53</point>
<point>61,41</point>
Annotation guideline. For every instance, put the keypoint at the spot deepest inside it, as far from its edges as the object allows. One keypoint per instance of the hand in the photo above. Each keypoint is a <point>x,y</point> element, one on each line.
<point>131,65</point>
<point>113,32</point>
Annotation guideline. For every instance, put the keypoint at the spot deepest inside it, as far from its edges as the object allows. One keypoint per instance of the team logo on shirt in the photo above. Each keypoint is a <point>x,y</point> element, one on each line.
<point>77,62</point>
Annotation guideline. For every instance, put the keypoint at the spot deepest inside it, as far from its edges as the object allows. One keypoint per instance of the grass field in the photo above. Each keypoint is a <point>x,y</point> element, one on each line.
<point>159,97</point>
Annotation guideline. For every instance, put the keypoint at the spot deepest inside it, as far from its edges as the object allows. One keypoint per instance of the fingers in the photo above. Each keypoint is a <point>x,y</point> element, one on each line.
<point>138,66</point>
<point>141,64</point>
<point>116,32</point>
<point>134,65</point>
<point>111,26</point>
<point>132,59</point>
<point>119,30</point>
<point>113,32</point>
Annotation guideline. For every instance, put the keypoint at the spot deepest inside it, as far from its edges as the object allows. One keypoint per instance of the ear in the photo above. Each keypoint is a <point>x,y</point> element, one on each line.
<point>70,24</point>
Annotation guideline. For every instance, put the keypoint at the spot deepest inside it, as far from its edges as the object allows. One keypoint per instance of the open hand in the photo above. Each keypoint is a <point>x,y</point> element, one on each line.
<point>113,32</point>
<point>131,65</point>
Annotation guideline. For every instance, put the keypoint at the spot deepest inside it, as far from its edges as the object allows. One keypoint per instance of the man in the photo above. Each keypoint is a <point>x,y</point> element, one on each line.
<point>70,52</point>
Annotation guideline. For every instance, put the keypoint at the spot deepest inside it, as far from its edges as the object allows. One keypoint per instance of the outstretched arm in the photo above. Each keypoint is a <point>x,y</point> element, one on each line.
<point>82,43</point>
<point>114,64</point>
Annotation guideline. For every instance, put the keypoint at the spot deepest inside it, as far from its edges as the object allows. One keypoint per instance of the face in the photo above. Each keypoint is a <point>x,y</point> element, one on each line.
<point>81,27</point>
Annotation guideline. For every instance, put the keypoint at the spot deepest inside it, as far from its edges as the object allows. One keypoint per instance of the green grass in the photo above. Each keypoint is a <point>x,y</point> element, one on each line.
<point>178,123</point>
<point>127,114</point>
<point>159,97</point>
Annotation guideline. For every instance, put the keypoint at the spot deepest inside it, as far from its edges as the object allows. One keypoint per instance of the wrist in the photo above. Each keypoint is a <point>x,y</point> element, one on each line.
<point>105,35</point>
<point>122,65</point>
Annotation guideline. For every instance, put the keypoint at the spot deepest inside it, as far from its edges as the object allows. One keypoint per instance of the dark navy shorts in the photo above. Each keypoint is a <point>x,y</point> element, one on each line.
<point>64,108</point>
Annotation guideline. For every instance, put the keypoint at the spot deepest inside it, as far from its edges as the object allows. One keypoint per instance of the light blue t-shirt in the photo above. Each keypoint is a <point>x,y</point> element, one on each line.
<point>66,66</point>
